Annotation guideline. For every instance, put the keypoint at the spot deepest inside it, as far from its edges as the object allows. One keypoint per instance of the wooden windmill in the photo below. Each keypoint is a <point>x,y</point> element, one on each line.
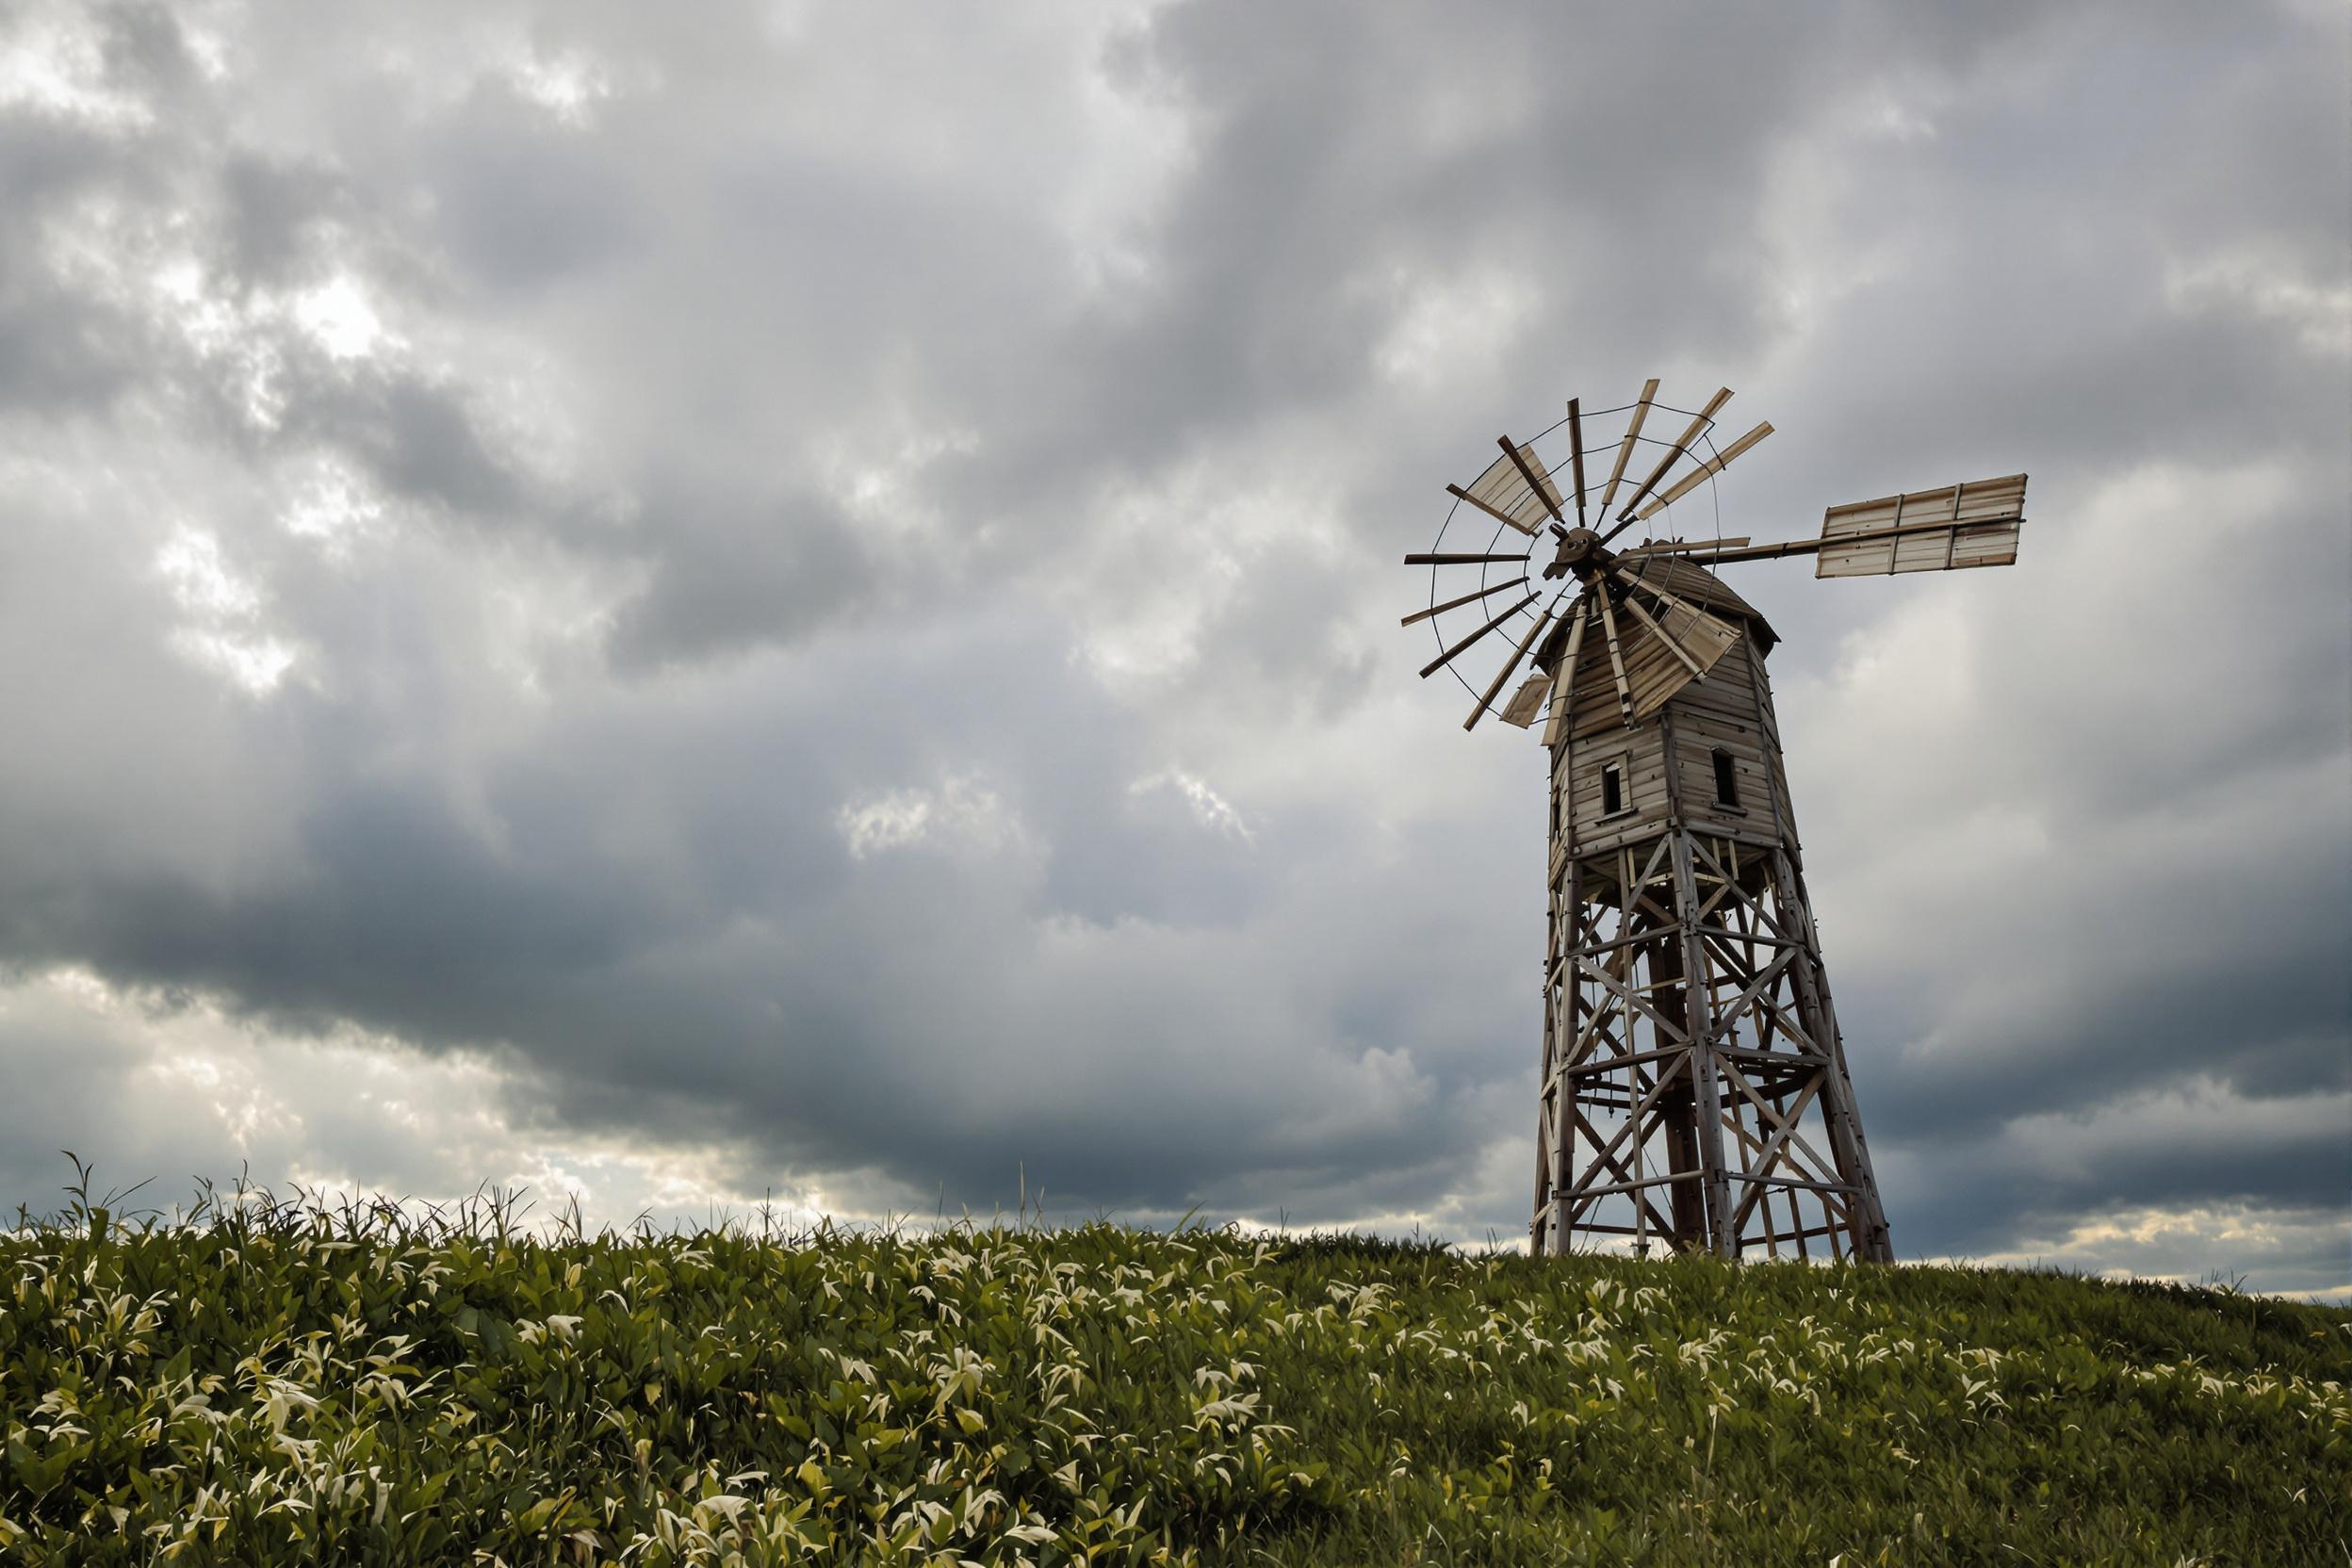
<point>1693,1089</point>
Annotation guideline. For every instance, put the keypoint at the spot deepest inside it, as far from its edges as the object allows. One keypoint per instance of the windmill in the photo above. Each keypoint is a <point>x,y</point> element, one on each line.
<point>1692,1088</point>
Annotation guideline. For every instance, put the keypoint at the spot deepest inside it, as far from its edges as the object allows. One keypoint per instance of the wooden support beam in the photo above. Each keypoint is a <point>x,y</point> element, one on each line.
<point>1575,455</point>
<point>1510,666</point>
<point>1540,483</point>
<point>1699,422</point>
<point>1456,604</point>
<point>1564,673</point>
<point>1443,659</point>
<point>1698,671</point>
<point>1616,656</point>
<point>1633,433</point>
<point>1494,512</point>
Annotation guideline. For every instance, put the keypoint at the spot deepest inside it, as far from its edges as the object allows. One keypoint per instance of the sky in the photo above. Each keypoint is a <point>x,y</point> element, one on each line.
<point>798,604</point>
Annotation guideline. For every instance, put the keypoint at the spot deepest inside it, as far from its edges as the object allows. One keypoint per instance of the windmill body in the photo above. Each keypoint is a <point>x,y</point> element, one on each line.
<point>1684,989</point>
<point>1693,1090</point>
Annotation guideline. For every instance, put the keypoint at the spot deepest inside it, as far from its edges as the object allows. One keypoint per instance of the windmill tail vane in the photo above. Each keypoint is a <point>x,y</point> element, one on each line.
<point>1693,1091</point>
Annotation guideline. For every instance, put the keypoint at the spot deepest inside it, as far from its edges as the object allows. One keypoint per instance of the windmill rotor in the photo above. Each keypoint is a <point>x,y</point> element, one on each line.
<point>1665,635</point>
<point>1521,494</point>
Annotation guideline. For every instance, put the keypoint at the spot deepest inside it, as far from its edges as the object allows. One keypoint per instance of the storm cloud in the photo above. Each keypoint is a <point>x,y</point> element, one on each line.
<point>801,602</point>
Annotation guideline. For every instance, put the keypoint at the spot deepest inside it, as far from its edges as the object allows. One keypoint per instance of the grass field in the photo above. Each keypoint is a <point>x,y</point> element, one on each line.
<point>278,1385</point>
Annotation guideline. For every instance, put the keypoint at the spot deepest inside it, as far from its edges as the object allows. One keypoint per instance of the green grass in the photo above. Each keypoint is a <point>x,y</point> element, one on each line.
<point>273,1384</point>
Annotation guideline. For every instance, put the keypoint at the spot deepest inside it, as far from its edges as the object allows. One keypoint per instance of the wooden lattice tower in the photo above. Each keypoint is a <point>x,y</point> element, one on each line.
<point>1692,1088</point>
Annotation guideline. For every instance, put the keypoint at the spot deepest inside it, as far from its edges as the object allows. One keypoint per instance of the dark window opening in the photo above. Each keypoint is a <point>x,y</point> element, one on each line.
<point>1612,789</point>
<point>1726,782</point>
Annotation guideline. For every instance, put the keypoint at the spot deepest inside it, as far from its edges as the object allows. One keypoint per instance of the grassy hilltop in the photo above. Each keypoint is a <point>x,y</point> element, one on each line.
<point>272,1386</point>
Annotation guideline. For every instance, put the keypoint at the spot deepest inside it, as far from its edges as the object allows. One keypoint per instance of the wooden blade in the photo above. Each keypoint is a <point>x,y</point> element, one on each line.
<point>1509,665</point>
<point>1456,604</point>
<point>1445,559</point>
<point>1667,650</point>
<point>1575,455</point>
<point>1490,509</point>
<point>1671,602</point>
<point>1974,524</point>
<point>1531,470</point>
<point>1624,447</point>
<point>1685,546</point>
<point>1514,490</point>
<point>1682,655</point>
<point>1699,422</point>
<point>1564,673</point>
<point>1715,464</point>
<point>1616,654</point>
<point>1527,702</point>
<point>1442,659</point>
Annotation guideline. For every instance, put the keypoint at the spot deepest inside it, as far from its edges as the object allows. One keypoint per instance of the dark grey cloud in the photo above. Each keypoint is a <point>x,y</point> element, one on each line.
<point>796,601</point>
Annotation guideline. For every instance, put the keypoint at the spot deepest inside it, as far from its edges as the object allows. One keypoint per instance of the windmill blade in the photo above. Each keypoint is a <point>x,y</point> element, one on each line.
<point>1575,453</point>
<point>1666,650</point>
<point>1624,447</point>
<point>1443,659</point>
<point>1639,578</point>
<point>1684,546</point>
<point>1959,526</point>
<point>1975,525</point>
<point>1682,656</point>
<point>1509,665</point>
<point>1715,464</point>
<point>1564,673</point>
<point>1514,490</point>
<point>1456,604</point>
<point>1699,422</point>
<point>1527,702</point>
<point>1531,470</point>
<point>1616,653</point>
<point>1443,558</point>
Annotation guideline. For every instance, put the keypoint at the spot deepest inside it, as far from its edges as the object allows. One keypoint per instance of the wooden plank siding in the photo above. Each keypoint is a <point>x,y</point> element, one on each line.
<point>1669,760</point>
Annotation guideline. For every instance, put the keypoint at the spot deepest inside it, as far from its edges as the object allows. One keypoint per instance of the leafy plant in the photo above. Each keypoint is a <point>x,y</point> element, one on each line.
<point>267,1381</point>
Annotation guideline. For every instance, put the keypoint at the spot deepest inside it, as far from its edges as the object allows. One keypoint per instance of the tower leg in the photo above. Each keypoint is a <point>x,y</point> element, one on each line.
<point>1695,1086</point>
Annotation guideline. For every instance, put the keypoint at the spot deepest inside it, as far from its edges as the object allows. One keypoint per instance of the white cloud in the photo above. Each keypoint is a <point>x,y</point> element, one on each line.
<point>340,319</point>
<point>1211,809</point>
<point>53,67</point>
<point>959,813</point>
<point>195,1090</point>
<point>222,631</point>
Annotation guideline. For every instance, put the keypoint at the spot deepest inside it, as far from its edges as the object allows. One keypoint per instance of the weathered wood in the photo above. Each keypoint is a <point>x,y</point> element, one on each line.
<point>1685,546</point>
<point>1515,489</point>
<point>1564,673</point>
<point>1450,557</point>
<point>1575,455</point>
<point>1448,657</point>
<point>1675,454</point>
<point>1633,433</point>
<point>1531,470</point>
<point>1456,604</point>
<point>1976,524</point>
<point>1510,665</point>
<point>1494,512</point>
<point>1616,654</point>
<point>1527,702</point>
<point>1715,464</point>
